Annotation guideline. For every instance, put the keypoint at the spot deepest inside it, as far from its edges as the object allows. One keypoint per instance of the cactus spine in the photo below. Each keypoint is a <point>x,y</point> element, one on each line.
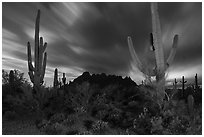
<point>183,85</point>
<point>156,42</point>
<point>37,73</point>
<point>55,84</point>
<point>64,79</point>
<point>11,77</point>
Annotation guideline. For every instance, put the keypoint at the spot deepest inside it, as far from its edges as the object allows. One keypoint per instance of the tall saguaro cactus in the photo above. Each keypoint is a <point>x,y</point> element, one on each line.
<point>183,85</point>
<point>37,72</point>
<point>196,82</point>
<point>64,79</point>
<point>160,65</point>
<point>55,83</point>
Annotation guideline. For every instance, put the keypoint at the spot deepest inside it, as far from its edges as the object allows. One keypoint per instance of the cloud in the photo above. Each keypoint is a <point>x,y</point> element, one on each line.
<point>93,36</point>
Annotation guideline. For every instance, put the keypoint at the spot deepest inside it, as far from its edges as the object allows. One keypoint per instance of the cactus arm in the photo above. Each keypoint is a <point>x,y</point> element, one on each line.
<point>30,65</point>
<point>37,28</point>
<point>173,51</point>
<point>134,55</point>
<point>159,53</point>
<point>44,47</point>
<point>137,61</point>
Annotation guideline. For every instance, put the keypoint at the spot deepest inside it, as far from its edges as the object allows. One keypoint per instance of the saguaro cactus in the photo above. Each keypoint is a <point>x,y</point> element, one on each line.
<point>55,84</point>
<point>196,82</point>
<point>64,79</point>
<point>37,73</point>
<point>183,85</point>
<point>175,84</point>
<point>11,77</point>
<point>156,43</point>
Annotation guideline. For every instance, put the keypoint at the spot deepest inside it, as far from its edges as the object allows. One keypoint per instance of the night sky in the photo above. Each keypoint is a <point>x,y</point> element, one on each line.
<point>93,37</point>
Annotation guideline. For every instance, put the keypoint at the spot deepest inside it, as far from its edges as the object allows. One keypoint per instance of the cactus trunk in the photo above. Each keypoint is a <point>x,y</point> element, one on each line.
<point>157,42</point>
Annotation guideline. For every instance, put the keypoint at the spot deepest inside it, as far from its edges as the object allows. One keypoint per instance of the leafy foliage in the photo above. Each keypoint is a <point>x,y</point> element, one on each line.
<point>89,106</point>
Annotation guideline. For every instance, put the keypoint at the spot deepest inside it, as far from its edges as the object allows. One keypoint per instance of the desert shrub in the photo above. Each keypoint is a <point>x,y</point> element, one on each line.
<point>198,97</point>
<point>17,96</point>
<point>80,96</point>
<point>14,87</point>
<point>18,78</point>
<point>88,124</point>
<point>87,109</point>
<point>114,116</point>
<point>52,103</point>
<point>58,117</point>
<point>166,121</point>
<point>41,124</point>
<point>22,103</point>
<point>11,115</point>
<point>100,127</point>
<point>142,124</point>
<point>55,129</point>
<point>16,104</point>
<point>77,123</point>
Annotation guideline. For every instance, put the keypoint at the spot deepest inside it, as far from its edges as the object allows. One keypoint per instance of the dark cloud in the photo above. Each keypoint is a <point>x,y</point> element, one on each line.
<point>93,36</point>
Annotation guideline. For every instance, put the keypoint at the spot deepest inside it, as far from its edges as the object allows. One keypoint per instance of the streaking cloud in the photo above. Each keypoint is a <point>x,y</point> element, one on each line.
<point>93,36</point>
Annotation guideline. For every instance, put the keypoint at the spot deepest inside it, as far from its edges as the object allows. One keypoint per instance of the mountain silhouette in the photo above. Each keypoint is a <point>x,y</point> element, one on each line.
<point>103,80</point>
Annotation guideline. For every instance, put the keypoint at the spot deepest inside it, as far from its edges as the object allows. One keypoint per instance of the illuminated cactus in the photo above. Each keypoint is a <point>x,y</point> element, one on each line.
<point>11,77</point>
<point>55,83</point>
<point>156,43</point>
<point>37,72</point>
<point>183,85</point>
<point>64,79</point>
